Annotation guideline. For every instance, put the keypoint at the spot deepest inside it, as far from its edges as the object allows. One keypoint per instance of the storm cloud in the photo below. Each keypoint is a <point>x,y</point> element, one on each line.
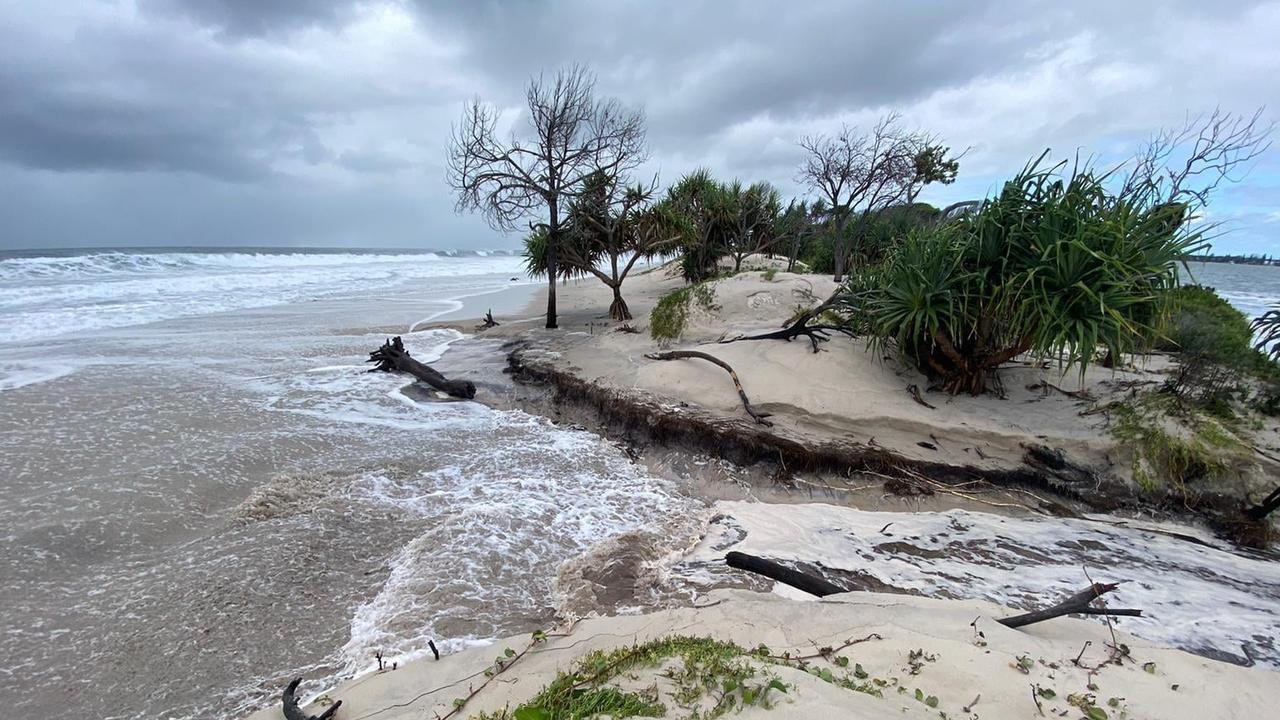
<point>298,122</point>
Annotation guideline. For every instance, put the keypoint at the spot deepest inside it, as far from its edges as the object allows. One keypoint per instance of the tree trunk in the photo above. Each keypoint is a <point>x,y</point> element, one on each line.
<point>553,256</point>
<point>618,309</point>
<point>393,356</point>
<point>1266,507</point>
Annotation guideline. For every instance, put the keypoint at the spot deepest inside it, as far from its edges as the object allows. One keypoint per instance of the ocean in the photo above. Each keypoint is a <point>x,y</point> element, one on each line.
<point>204,495</point>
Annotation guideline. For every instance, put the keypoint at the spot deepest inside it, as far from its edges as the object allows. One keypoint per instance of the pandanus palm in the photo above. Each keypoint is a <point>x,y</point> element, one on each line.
<point>1053,266</point>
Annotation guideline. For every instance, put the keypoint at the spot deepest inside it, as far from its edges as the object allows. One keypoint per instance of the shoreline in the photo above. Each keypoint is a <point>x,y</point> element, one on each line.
<point>587,374</point>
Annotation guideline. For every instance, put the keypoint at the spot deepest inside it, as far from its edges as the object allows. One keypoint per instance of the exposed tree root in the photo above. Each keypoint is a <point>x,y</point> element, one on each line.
<point>289,702</point>
<point>755,414</point>
<point>800,327</point>
<point>393,356</point>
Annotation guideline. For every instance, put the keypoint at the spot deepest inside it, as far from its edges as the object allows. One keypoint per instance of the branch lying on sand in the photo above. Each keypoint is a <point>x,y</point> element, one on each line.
<point>293,712</point>
<point>1078,604</point>
<point>800,327</point>
<point>756,415</point>
<point>393,356</point>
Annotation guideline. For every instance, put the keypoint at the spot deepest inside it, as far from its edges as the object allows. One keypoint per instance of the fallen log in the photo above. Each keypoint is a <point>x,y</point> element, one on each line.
<point>488,322</point>
<point>291,710</point>
<point>393,356</point>
<point>811,584</point>
<point>755,414</point>
<point>1077,604</point>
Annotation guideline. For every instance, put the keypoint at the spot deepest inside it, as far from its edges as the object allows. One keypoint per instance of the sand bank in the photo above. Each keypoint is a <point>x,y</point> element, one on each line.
<point>963,663</point>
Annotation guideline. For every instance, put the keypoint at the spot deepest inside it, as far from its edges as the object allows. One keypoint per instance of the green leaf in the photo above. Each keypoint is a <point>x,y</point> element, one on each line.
<point>826,675</point>
<point>778,685</point>
<point>842,661</point>
<point>931,701</point>
<point>858,672</point>
<point>1150,667</point>
<point>532,713</point>
<point>1093,712</point>
<point>748,696</point>
<point>919,695</point>
<point>729,686</point>
<point>509,652</point>
<point>1046,693</point>
<point>459,702</point>
<point>1114,702</point>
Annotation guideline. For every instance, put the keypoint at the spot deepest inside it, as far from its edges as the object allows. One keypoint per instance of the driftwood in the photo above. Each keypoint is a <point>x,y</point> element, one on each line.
<point>393,356</point>
<point>293,712</point>
<point>755,414</point>
<point>800,327</point>
<point>488,321</point>
<point>811,584</point>
<point>1077,604</point>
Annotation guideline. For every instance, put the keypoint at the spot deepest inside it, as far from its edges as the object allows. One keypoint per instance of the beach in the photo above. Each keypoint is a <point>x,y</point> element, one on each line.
<point>240,504</point>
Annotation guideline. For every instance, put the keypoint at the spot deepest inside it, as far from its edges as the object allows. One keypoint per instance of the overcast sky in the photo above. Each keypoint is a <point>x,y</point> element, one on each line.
<point>302,122</point>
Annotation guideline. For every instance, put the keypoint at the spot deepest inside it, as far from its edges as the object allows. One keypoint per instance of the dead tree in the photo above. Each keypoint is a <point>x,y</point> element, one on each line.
<point>809,324</point>
<point>1268,505</point>
<point>393,356</point>
<point>755,414</point>
<point>573,135</point>
<point>289,703</point>
<point>863,174</point>
<point>1078,604</point>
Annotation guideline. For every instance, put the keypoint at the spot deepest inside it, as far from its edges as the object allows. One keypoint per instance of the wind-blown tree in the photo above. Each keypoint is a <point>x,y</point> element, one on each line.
<point>790,228</point>
<point>858,175</point>
<point>698,198</point>
<point>748,215</point>
<point>570,135</point>
<point>614,226</point>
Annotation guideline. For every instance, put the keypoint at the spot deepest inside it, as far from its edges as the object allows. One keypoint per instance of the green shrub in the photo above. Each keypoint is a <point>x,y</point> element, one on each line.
<point>770,274</point>
<point>1217,360</point>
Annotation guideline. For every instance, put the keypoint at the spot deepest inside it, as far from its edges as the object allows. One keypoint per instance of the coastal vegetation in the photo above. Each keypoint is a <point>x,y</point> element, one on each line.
<point>571,136</point>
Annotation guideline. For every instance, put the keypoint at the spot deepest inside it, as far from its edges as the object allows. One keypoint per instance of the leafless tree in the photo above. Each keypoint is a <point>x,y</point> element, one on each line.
<point>858,175</point>
<point>1185,165</point>
<point>570,135</point>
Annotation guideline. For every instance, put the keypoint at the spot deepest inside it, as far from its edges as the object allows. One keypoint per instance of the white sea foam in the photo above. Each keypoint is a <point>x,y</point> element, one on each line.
<point>48,297</point>
<point>1182,587</point>
<point>14,375</point>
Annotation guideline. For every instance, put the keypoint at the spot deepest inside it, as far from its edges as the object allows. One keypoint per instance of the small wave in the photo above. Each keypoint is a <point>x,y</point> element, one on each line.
<point>286,495</point>
<point>16,375</point>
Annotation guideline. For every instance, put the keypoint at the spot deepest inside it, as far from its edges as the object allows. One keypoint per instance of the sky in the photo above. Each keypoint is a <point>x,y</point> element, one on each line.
<point>307,123</point>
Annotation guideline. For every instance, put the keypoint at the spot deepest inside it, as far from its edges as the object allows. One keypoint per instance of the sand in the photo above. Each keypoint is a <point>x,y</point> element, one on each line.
<point>969,660</point>
<point>847,392</point>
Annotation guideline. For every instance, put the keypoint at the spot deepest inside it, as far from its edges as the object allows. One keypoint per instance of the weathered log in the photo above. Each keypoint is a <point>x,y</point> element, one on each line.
<point>755,414</point>
<point>290,704</point>
<point>393,356</point>
<point>1077,604</point>
<point>488,321</point>
<point>811,584</point>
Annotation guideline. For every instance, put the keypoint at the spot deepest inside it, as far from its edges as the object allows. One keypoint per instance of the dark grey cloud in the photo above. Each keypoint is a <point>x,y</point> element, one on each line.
<point>252,17</point>
<point>300,122</point>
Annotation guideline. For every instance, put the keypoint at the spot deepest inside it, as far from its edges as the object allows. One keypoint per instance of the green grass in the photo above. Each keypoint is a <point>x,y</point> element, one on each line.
<point>770,274</point>
<point>709,677</point>
<point>669,316</point>
<point>1206,452</point>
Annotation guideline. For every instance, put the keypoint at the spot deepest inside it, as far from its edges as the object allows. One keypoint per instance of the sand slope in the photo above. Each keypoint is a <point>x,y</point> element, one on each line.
<point>1156,683</point>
